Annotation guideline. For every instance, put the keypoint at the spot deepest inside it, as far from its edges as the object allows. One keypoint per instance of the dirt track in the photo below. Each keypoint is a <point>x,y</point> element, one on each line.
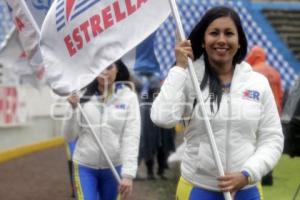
<point>39,176</point>
<point>44,176</point>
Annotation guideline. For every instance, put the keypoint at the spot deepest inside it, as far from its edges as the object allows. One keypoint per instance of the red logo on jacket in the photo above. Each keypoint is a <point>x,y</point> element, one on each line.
<point>251,95</point>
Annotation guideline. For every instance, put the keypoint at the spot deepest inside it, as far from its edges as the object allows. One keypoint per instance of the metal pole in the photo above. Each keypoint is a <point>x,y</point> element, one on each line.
<point>199,96</point>
<point>112,167</point>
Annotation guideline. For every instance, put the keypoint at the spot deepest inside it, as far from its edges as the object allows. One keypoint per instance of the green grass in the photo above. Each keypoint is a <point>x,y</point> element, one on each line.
<point>286,178</point>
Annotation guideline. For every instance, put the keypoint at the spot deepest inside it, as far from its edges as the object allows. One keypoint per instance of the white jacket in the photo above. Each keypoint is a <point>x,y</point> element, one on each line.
<point>117,125</point>
<point>246,127</point>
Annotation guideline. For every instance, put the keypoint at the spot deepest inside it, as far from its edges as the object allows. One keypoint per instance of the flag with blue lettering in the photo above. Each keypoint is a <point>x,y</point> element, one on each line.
<point>80,38</point>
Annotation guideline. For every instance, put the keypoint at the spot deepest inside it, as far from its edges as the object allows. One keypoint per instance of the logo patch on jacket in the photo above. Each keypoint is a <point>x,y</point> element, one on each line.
<point>122,106</point>
<point>251,95</point>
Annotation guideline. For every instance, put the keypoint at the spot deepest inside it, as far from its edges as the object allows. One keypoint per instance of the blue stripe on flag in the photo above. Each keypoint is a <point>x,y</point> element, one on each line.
<point>59,12</point>
<point>60,15</point>
<point>92,2</point>
<point>60,20</point>
<point>82,3</point>
<point>59,5</point>
<point>60,27</point>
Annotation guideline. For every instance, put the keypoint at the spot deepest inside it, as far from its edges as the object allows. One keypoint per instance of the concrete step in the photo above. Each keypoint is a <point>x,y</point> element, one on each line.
<point>275,0</point>
<point>281,13</point>
<point>288,29</point>
<point>287,25</point>
<point>285,22</point>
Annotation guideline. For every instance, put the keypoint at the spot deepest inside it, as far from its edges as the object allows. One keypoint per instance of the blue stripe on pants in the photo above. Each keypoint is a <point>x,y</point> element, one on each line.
<point>187,191</point>
<point>247,194</point>
<point>202,194</point>
<point>96,184</point>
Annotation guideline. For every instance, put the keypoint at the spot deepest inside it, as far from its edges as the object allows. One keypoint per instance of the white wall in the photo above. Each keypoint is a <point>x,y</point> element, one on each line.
<point>38,129</point>
<point>39,124</point>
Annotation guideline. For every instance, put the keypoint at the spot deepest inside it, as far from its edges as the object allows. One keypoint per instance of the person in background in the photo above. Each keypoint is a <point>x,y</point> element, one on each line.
<point>149,141</point>
<point>240,106</point>
<point>70,145</point>
<point>113,110</point>
<point>257,58</point>
<point>291,120</point>
<point>166,146</point>
<point>154,144</point>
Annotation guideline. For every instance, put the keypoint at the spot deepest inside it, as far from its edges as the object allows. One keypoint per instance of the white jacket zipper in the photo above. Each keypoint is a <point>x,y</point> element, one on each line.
<point>228,128</point>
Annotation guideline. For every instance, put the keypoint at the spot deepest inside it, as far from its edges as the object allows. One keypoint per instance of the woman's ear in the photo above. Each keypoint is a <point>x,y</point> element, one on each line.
<point>203,47</point>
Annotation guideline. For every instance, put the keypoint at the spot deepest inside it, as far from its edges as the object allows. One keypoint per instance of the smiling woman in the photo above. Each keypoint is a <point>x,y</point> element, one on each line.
<point>221,42</point>
<point>113,111</point>
<point>240,105</point>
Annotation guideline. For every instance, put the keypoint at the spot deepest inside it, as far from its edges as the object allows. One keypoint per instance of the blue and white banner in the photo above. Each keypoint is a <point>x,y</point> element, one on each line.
<point>80,38</point>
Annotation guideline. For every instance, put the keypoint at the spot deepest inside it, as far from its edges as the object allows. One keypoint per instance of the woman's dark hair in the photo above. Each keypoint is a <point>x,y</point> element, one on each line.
<point>123,72</point>
<point>197,39</point>
<point>92,89</point>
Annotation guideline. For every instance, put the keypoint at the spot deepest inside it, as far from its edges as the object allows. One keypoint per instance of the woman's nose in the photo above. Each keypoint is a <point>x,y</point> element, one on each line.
<point>222,39</point>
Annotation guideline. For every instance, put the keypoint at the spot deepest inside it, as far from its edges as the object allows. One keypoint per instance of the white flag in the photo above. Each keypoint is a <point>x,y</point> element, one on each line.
<point>39,9</point>
<point>28,30</point>
<point>26,14</point>
<point>80,38</point>
<point>15,64</point>
<point>12,54</point>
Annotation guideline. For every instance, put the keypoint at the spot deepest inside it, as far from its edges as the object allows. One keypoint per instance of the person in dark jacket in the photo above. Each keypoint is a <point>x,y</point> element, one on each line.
<point>155,142</point>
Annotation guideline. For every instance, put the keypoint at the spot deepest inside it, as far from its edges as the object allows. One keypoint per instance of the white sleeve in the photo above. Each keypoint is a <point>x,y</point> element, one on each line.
<point>70,125</point>
<point>269,139</point>
<point>131,139</point>
<point>168,107</point>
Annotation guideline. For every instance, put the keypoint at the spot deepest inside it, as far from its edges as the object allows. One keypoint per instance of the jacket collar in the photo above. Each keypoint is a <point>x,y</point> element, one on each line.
<point>238,74</point>
<point>242,67</point>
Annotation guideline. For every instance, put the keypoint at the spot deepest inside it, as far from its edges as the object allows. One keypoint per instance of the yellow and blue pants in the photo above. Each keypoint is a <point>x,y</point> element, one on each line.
<point>71,148</point>
<point>186,191</point>
<point>95,184</point>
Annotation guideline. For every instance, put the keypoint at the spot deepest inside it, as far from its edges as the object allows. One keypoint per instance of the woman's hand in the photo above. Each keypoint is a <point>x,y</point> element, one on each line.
<point>232,182</point>
<point>73,100</point>
<point>125,188</point>
<point>183,50</point>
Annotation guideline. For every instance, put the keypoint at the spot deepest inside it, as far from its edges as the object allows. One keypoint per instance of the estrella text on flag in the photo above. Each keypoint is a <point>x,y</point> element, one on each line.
<point>96,24</point>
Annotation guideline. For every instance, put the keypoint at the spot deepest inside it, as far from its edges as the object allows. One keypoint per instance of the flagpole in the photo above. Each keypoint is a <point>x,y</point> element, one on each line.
<point>199,96</point>
<point>112,167</point>
<point>30,17</point>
